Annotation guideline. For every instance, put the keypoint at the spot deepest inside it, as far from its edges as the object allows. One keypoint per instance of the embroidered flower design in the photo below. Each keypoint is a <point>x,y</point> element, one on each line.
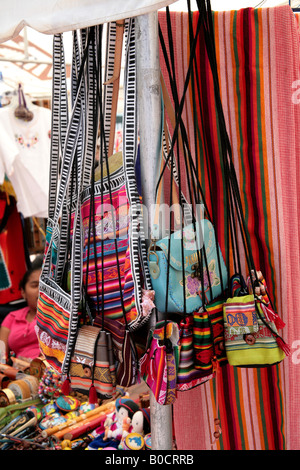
<point>20,140</point>
<point>212,278</point>
<point>193,285</point>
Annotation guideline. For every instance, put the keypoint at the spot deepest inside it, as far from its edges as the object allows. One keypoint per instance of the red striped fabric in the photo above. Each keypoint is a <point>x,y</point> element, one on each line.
<point>52,329</point>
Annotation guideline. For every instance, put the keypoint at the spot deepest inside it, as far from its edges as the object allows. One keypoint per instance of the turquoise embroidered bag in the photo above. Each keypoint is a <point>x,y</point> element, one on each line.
<point>201,251</point>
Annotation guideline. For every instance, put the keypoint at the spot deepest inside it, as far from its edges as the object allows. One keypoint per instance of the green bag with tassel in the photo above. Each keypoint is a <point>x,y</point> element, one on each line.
<point>251,335</point>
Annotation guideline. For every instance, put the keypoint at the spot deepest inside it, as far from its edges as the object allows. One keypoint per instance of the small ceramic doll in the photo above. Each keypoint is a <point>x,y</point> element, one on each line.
<point>140,426</point>
<point>140,422</point>
<point>114,423</point>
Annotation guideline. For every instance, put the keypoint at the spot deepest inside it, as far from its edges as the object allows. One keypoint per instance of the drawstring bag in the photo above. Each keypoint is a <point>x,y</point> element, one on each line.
<point>124,350</point>
<point>191,245</point>
<point>159,364</point>
<point>92,369</point>
<point>208,338</point>
<point>251,336</point>
<point>188,376</point>
<point>201,345</point>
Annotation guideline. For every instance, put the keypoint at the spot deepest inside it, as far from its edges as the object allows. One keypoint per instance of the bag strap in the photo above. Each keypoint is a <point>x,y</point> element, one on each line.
<point>167,105</point>
<point>86,86</point>
<point>59,118</point>
<point>114,80</point>
<point>83,165</point>
<point>195,77</point>
<point>97,61</point>
<point>179,126</point>
<point>137,239</point>
<point>114,41</point>
<point>175,140</point>
<point>230,175</point>
<point>202,260</point>
<point>71,199</point>
<point>233,187</point>
<point>72,135</point>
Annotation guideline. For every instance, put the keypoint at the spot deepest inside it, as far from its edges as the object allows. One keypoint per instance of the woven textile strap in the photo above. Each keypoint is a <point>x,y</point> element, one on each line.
<point>138,249</point>
<point>74,145</point>
<point>115,32</point>
<point>59,118</point>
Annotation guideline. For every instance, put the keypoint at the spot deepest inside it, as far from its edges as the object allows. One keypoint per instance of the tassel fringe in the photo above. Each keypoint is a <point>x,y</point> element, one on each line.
<point>271,316</point>
<point>66,387</point>
<point>279,323</point>
<point>283,345</point>
<point>93,398</point>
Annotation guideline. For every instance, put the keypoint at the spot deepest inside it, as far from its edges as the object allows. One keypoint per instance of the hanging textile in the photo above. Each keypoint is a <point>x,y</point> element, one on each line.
<point>68,15</point>
<point>93,285</point>
<point>13,262</point>
<point>257,53</point>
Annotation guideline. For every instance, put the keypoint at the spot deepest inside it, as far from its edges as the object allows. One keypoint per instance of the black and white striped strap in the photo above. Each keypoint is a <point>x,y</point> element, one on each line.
<point>59,119</point>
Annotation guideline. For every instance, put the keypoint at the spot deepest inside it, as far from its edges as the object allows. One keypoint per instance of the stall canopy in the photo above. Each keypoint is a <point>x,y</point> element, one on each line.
<point>26,59</point>
<point>58,16</point>
<point>26,54</point>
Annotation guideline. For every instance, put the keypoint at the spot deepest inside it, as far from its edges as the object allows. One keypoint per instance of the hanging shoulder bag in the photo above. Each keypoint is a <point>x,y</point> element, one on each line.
<point>251,337</point>
<point>159,364</point>
<point>57,309</point>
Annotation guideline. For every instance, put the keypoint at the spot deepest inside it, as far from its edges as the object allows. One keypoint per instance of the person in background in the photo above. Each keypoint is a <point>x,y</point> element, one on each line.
<point>18,328</point>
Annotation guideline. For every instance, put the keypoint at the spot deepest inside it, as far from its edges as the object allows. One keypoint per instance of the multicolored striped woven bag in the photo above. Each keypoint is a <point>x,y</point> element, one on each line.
<point>159,364</point>
<point>116,248</point>
<point>188,376</point>
<point>113,247</point>
<point>57,309</point>
<point>208,336</point>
